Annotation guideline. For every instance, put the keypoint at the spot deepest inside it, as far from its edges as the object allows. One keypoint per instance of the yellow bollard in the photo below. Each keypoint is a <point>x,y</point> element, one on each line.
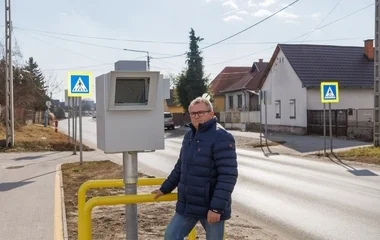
<point>107,183</point>
<point>116,200</point>
<point>193,234</point>
<point>85,208</point>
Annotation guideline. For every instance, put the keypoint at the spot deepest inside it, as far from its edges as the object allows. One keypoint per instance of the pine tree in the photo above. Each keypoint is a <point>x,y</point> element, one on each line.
<point>38,86</point>
<point>192,83</point>
<point>34,69</point>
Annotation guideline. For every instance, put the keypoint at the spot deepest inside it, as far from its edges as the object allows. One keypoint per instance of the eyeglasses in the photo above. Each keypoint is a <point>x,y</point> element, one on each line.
<point>200,113</point>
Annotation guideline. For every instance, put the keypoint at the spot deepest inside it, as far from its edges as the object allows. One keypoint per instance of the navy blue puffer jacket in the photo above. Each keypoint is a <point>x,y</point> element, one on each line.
<point>205,173</point>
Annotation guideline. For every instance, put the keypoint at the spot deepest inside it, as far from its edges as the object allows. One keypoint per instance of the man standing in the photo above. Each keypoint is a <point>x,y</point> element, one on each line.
<point>205,174</point>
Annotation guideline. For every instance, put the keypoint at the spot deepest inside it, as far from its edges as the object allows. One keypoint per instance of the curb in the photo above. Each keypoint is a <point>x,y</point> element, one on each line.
<point>60,224</point>
<point>64,221</point>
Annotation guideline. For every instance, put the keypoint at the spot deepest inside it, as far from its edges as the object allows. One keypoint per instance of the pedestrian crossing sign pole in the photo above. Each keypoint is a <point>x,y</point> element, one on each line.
<point>329,94</point>
<point>80,85</point>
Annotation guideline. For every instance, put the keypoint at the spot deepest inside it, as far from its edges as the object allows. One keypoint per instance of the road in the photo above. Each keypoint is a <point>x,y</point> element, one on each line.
<point>300,198</point>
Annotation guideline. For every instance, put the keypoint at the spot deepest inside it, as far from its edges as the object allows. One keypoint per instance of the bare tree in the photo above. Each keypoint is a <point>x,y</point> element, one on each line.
<point>52,85</point>
<point>173,80</point>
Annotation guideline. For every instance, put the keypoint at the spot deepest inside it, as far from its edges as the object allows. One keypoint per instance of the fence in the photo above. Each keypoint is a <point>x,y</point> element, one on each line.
<point>240,117</point>
<point>23,116</point>
<point>360,124</point>
<point>350,123</point>
<point>180,119</point>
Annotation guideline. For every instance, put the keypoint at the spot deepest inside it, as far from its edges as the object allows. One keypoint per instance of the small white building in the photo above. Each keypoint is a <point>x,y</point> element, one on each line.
<point>292,83</point>
<point>241,100</point>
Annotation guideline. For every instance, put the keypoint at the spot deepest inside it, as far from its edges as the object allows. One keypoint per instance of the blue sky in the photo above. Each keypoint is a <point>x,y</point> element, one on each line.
<point>170,21</point>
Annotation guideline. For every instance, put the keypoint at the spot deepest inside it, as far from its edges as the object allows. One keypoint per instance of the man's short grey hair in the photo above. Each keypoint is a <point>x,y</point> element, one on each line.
<point>202,100</point>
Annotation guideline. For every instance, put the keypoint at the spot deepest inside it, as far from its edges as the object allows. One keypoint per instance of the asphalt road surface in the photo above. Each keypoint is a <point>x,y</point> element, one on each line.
<point>301,198</point>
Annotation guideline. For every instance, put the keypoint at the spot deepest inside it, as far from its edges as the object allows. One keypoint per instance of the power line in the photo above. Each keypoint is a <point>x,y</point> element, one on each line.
<point>90,44</point>
<point>57,46</point>
<point>332,10</point>
<point>339,39</point>
<point>106,64</point>
<point>246,29</point>
<point>326,25</point>
<point>159,42</point>
<point>88,66</point>
<point>102,38</point>
<point>240,32</point>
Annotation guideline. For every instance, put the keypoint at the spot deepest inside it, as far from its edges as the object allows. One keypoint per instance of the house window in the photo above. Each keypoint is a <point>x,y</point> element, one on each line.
<point>240,101</point>
<point>292,103</point>
<point>278,108</point>
<point>231,102</point>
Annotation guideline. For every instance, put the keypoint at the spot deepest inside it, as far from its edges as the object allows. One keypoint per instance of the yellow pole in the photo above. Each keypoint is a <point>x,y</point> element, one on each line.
<point>193,234</point>
<point>106,183</point>
<point>115,200</point>
<point>85,225</point>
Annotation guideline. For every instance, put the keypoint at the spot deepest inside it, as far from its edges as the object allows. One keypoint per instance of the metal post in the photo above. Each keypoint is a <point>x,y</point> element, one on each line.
<point>330,129</point>
<point>266,117</point>
<point>148,60</point>
<point>80,131</point>
<point>74,126</point>
<point>376,117</point>
<point>9,121</point>
<point>68,118</point>
<point>324,129</point>
<point>130,180</point>
<point>261,130</point>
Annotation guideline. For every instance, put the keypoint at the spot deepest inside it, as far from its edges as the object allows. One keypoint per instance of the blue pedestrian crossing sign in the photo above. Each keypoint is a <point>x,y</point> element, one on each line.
<point>329,92</point>
<point>80,84</point>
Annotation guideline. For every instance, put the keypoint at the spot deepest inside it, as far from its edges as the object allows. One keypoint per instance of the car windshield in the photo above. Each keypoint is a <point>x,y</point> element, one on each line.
<point>167,115</point>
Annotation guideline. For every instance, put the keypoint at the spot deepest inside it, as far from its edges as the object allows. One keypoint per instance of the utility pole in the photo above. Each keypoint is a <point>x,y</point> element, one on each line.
<point>9,121</point>
<point>376,117</point>
<point>147,55</point>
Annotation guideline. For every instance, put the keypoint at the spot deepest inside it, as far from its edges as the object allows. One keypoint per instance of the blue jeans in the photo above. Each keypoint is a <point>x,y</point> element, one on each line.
<point>180,226</point>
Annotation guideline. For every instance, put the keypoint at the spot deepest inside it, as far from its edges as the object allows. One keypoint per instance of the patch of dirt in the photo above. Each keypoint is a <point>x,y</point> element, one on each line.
<point>369,155</point>
<point>109,221</point>
<point>246,142</point>
<point>37,138</point>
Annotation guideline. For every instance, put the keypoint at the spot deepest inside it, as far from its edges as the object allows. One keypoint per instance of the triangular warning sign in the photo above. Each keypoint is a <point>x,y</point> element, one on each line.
<point>79,86</point>
<point>330,94</point>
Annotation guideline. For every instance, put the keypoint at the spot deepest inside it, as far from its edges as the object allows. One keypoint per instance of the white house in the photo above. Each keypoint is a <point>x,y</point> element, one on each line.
<point>292,86</point>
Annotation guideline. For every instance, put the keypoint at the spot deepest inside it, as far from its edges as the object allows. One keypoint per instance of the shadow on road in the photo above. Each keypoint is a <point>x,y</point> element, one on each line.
<point>7,186</point>
<point>33,157</point>
<point>357,172</point>
<point>305,144</point>
<point>264,146</point>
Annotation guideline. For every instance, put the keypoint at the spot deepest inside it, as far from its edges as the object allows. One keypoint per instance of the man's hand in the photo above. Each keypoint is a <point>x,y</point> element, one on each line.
<point>157,193</point>
<point>213,217</point>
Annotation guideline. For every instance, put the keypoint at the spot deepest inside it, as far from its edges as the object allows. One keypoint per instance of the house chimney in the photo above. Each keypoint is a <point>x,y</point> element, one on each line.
<point>368,48</point>
<point>261,60</point>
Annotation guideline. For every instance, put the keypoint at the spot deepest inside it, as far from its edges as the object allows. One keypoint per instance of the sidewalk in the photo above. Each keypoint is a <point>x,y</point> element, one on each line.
<point>27,184</point>
<point>303,144</point>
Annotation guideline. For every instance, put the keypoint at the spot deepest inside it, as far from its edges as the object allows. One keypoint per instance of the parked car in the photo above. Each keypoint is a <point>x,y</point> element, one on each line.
<point>168,119</point>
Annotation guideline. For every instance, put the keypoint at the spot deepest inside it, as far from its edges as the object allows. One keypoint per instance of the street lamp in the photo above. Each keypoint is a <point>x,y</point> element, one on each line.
<point>140,51</point>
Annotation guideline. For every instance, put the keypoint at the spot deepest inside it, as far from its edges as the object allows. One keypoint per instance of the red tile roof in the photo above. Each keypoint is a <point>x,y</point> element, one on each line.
<point>251,80</point>
<point>227,77</point>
